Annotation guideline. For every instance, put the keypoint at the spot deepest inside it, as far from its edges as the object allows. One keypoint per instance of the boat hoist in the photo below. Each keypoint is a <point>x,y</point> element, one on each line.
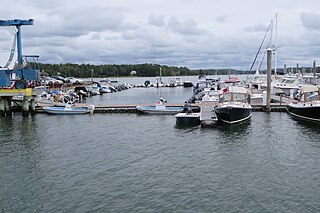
<point>18,76</point>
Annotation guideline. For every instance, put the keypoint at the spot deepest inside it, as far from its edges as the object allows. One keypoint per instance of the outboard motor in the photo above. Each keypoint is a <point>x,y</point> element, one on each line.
<point>147,83</point>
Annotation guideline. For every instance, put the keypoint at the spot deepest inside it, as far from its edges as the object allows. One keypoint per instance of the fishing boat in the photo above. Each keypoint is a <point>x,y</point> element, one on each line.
<point>308,104</point>
<point>188,117</point>
<point>159,108</point>
<point>187,83</point>
<point>69,109</point>
<point>233,106</point>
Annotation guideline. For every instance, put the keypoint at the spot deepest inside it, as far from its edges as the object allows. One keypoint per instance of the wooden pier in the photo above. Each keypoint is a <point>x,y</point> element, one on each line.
<point>207,115</point>
<point>27,99</point>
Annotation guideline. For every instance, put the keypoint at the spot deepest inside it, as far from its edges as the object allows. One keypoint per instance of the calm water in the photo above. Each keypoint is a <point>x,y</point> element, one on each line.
<point>139,163</point>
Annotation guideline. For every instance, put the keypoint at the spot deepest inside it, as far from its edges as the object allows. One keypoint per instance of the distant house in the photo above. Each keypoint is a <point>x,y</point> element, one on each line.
<point>133,72</point>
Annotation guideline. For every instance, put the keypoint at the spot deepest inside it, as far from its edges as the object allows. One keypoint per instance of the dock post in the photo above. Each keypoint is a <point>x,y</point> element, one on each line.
<point>25,107</point>
<point>2,112</point>
<point>33,106</point>
<point>269,67</point>
<point>8,106</point>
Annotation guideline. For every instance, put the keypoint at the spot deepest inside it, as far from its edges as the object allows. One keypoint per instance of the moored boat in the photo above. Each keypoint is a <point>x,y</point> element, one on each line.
<point>69,109</point>
<point>187,83</point>
<point>233,106</point>
<point>308,104</point>
<point>188,118</point>
<point>159,108</point>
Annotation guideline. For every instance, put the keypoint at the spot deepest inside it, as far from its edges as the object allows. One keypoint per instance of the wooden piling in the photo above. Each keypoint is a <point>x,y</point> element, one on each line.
<point>33,106</point>
<point>25,107</point>
<point>2,112</point>
<point>8,106</point>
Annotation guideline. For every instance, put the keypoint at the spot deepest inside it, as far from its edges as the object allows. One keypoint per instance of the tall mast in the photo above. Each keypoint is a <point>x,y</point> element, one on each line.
<point>276,45</point>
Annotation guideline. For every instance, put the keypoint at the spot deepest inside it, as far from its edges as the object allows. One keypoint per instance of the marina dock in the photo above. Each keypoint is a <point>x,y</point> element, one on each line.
<point>206,114</point>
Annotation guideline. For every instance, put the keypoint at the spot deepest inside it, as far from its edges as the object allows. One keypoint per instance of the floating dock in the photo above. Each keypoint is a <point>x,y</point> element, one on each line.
<point>207,115</point>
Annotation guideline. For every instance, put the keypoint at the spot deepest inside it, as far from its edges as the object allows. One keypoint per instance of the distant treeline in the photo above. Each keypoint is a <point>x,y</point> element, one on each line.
<point>141,70</point>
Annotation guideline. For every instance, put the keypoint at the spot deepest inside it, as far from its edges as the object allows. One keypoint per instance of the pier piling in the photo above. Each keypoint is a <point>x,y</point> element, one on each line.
<point>2,111</point>
<point>25,107</point>
<point>269,67</point>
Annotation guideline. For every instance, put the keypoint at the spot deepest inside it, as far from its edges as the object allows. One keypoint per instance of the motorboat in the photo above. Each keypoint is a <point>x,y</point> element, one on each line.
<point>188,117</point>
<point>286,84</point>
<point>308,104</point>
<point>187,83</point>
<point>232,80</point>
<point>159,108</point>
<point>233,106</point>
<point>69,109</point>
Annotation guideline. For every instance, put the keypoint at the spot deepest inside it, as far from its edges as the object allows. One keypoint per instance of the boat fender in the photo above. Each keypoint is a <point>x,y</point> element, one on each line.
<point>91,108</point>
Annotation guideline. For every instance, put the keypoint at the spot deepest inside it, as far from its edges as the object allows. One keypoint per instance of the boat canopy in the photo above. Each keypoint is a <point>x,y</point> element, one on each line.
<point>238,90</point>
<point>309,88</point>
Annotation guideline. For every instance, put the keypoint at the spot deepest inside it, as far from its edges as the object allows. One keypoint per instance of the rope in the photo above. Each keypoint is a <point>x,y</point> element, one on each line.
<point>255,58</point>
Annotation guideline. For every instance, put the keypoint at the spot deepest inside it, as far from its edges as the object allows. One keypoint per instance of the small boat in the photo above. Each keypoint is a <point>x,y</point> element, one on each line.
<point>188,117</point>
<point>69,109</point>
<point>187,83</point>
<point>232,80</point>
<point>308,104</point>
<point>159,108</point>
<point>233,106</point>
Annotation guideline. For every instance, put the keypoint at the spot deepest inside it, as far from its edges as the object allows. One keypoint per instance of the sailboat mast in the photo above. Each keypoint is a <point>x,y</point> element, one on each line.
<point>160,75</point>
<point>276,45</point>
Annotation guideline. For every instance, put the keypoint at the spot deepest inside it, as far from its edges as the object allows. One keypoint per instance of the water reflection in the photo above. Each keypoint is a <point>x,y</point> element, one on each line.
<point>237,130</point>
<point>20,162</point>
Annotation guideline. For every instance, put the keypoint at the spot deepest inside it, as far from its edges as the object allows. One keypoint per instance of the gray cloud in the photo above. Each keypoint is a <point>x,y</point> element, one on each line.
<point>310,21</point>
<point>156,20</point>
<point>256,28</point>
<point>189,26</point>
<point>197,34</point>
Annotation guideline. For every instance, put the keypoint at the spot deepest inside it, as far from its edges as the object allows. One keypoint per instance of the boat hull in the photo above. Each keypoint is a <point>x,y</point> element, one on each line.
<point>233,113</point>
<point>154,110</point>
<point>187,119</point>
<point>307,111</point>
<point>187,84</point>
<point>64,111</point>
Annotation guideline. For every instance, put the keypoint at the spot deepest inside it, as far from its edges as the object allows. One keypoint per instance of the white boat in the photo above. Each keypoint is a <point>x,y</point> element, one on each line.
<point>308,104</point>
<point>159,108</point>
<point>69,109</point>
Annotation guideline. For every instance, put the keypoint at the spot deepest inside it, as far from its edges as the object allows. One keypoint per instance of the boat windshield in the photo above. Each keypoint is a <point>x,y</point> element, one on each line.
<point>239,97</point>
<point>312,96</point>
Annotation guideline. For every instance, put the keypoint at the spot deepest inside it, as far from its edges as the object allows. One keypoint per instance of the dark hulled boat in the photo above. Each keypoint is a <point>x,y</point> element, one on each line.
<point>233,106</point>
<point>308,104</point>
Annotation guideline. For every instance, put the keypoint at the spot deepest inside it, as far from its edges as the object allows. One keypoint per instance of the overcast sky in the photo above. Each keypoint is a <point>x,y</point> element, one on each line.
<point>193,33</point>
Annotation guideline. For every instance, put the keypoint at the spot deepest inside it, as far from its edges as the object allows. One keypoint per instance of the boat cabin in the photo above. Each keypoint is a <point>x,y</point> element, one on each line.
<point>234,94</point>
<point>308,94</point>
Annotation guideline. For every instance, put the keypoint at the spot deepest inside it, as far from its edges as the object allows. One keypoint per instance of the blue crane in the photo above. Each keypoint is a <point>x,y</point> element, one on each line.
<point>24,73</point>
